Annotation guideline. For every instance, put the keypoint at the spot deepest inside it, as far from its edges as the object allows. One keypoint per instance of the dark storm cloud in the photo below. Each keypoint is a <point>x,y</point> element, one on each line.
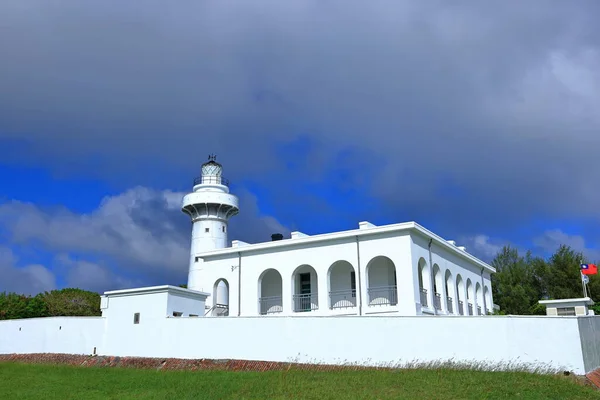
<point>499,97</point>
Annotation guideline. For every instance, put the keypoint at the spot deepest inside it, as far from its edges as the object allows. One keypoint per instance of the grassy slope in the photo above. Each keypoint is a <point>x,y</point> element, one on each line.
<point>24,381</point>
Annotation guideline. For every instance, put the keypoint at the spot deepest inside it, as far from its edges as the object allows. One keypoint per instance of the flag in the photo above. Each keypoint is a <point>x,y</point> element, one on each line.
<point>589,269</point>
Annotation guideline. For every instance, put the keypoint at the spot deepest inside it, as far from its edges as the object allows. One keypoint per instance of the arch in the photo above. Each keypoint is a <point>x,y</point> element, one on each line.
<point>460,290</point>
<point>382,288</point>
<point>449,291</point>
<point>488,300</point>
<point>438,287</point>
<point>220,307</point>
<point>423,272</point>
<point>270,290</point>
<point>469,297</point>
<point>305,283</point>
<point>342,285</point>
<point>479,299</point>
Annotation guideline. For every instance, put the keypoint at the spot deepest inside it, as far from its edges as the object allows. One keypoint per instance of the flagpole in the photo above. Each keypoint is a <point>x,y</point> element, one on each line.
<point>583,283</point>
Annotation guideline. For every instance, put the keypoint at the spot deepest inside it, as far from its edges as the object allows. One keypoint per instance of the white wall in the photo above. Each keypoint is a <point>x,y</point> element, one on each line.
<point>543,341</point>
<point>589,328</point>
<point>72,335</point>
<point>555,342</point>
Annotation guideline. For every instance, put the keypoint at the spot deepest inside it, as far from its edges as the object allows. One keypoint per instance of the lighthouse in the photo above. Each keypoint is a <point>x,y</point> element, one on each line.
<point>210,205</point>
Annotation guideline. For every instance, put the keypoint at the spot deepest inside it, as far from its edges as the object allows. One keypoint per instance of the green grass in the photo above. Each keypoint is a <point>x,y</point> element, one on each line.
<point>28,381</point>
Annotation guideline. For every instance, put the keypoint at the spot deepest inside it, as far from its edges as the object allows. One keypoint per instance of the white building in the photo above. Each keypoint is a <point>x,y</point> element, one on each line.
<point>401,269</point>
<point>292,297</point>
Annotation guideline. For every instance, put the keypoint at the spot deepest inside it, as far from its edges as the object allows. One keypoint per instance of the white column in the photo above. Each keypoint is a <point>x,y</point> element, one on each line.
<point>323,288</point>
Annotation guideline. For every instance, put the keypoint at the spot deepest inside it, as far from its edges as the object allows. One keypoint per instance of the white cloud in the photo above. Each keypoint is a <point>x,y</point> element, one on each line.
<point>87,275</point>
<point>551,239</point>
<point>30,279</point>
<point>134,227</point>
<point>482,246</point>
<point>137,237</point>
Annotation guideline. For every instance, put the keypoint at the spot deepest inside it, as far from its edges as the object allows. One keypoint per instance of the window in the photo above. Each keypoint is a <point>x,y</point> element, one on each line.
<point>177,314</point>
<point>223,228</point>
<point>193,315</point>
<point>206,230</point>
<point>566,311</point>
<point>353,283</point>
<point>136,318</point>
<point>305,283</point>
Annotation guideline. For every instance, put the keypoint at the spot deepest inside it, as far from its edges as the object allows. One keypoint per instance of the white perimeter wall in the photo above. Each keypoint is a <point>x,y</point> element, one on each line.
<point>546,341</point>
<point>543,341</point>
<point>72,335</point>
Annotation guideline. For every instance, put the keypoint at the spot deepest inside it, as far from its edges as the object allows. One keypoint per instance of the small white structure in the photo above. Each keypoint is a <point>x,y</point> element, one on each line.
<point>156,302</point>
<point>568,307</point>
<point>401,269</point>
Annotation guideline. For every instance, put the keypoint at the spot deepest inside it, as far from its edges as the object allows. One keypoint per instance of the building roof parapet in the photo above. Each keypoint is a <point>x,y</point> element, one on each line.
<point>375,230</point>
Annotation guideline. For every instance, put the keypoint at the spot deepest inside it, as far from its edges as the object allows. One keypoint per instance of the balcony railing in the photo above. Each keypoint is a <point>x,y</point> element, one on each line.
<point>470,308</point>
<point>211,179</point>
<point>270,305</point>
<point>423,293</point>
<point>461,307</point>
<point>306,302</point>
<point>479,310</point>
<point>342,298</point>
<point>383,295</point>
<point>437,301</point>
<point>449,305</point>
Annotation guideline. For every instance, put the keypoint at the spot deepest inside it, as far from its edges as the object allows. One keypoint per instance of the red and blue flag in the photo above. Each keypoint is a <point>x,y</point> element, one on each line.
<point>589,269</point>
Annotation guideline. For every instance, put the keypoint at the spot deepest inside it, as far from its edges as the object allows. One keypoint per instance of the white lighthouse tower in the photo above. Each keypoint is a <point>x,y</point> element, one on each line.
<point>210,206</point>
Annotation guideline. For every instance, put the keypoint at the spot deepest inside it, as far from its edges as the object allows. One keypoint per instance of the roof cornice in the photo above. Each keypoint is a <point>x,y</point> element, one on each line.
<point>371,231</point>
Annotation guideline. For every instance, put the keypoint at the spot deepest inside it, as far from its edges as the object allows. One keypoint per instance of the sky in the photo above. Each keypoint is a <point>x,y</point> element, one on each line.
<point>479,121</point>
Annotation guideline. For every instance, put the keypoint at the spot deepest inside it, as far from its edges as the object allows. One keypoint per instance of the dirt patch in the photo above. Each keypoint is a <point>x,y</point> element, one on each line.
<point>168,363</point>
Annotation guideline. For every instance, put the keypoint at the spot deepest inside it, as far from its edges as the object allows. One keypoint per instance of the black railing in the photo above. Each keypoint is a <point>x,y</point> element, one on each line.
<point>449,305</point>
<point>342,298</point>
<point>211,179</point>
<point>306,302</point>
<point>383,295</point>
<point>437,301</point>
<point>423,294</point>
<point>270,305</point>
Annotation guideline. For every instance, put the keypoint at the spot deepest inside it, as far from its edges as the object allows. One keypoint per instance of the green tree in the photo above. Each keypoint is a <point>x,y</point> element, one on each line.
<point>13,306</point>
<point>72,302</point>
<point>516,287</point>
<point>563,275</point>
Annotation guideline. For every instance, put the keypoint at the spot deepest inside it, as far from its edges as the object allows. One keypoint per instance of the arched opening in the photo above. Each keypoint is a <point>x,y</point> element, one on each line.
<point>438,287</point>
<point>469,297</point>
<point>270,288</point>
<point>342,285</point>
<point>449,292</point>
<point>220,306</point>
<point>305,281</point>
<point>488,300</point>
<point>381,282</point>
<point>460,289</point>
<point>423,271</point>
<point>479,299</point>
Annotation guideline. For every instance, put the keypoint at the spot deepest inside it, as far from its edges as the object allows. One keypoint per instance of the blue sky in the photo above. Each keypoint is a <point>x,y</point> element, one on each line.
<point>479,121</point>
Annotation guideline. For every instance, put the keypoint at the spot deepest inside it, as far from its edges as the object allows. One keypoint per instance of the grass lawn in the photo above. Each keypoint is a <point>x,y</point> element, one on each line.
<point>23,381</point>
